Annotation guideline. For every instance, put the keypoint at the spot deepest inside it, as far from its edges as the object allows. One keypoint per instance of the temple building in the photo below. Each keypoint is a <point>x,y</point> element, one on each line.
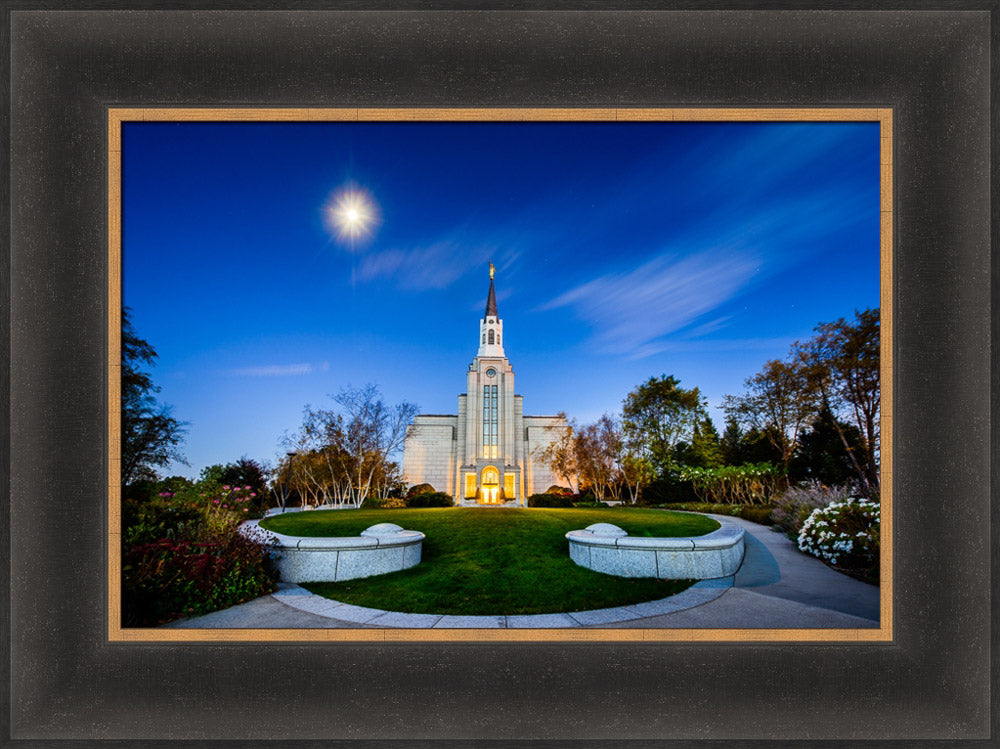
<point>490,452</point>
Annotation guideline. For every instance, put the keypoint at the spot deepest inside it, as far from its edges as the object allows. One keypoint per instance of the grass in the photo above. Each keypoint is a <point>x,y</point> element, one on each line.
<point>494,560</point>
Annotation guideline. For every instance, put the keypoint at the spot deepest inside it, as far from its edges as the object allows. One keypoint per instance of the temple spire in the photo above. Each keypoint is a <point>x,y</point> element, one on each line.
<point>491,300</point>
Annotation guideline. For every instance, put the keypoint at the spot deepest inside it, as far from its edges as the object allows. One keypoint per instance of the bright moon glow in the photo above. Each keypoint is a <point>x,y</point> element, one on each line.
<point>351,214</point>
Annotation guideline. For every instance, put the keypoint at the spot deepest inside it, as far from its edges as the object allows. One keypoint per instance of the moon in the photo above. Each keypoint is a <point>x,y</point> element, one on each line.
<point>351,214</point>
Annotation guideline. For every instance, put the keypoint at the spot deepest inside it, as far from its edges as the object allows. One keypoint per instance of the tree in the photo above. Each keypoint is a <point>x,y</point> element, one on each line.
<point>598,447</point>
<point>372,432</point>
<point>704,450</point>
<point>844,369</point>
<point>150,435</point>
<point>561,455</point>
<point>345,455</point>
<point>738,447</point>
<point>636,472</point>
<point>821,455</point>
<point>244,472</point>
<point>778,402</point>
<point>658,414</point>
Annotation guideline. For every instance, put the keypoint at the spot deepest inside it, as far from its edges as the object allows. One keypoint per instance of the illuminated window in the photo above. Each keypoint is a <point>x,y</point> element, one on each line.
<point>470,485</point>
<point>491,336</point>
<point>491,430</point>
<point>509,490</point>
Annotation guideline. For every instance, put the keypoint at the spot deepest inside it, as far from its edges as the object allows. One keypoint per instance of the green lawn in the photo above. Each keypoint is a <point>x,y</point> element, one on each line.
<point>494,560</point>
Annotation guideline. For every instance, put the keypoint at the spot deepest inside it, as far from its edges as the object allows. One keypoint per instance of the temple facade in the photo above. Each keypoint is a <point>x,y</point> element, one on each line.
<point>490,452</point>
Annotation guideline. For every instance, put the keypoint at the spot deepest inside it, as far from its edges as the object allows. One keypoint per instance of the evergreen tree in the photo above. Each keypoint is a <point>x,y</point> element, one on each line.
<point>821,454</point>
<point>150,435</point>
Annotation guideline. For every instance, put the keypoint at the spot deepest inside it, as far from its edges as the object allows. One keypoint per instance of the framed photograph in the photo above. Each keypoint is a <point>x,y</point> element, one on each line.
<point>132,127</point>
<point>711,209</point>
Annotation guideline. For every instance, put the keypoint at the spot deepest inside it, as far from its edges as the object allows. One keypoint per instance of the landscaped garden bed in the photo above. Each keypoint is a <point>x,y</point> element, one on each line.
<point>495,560</point>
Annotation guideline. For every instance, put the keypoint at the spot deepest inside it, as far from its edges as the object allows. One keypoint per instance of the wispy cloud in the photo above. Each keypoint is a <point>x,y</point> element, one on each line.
<point>275,370</point>
<point>434,266</point>
<point>632,311</point>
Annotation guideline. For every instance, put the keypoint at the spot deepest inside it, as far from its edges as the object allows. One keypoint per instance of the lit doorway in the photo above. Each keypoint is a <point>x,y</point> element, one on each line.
<point>490,486</point>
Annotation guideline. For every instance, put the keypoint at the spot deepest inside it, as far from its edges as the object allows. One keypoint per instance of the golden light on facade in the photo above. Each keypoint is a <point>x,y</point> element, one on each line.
<point>351,214</point>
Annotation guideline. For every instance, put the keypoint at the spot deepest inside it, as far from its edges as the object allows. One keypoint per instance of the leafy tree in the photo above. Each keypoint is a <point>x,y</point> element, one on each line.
<point>246,472</point>
<point>243,472</point>
<point>636,473</point>
<point>598,449</point>
<point>843,365</point>
<point>659,414</point>
<point>150,435</point>
<point>212,474</point>
<point>345,455</point>
<point>561,455</point>
<point>778,402</point>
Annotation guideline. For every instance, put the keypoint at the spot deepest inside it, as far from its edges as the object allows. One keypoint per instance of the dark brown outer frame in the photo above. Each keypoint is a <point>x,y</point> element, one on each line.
<point>67,681</point>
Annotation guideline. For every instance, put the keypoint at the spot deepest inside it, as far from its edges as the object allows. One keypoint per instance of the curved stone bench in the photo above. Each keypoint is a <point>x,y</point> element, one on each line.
<point>606,548</point>
<point>381,549</point>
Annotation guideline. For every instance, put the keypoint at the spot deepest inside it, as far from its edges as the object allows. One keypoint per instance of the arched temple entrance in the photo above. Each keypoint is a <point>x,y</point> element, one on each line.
<point>490,486</point>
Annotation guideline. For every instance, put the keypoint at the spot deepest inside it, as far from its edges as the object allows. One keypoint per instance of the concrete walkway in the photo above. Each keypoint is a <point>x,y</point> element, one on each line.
<point>777,587</point>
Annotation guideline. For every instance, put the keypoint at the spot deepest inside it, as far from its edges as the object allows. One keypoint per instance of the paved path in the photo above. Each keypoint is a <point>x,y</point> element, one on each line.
<point>777,587</point>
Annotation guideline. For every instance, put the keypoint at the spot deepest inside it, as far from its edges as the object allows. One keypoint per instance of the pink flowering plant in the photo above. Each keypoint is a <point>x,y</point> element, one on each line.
<point>844,534</point>
<point>183,554</point>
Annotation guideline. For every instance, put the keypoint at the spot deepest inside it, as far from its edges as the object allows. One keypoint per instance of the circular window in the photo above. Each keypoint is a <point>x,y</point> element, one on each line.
<point>491,372</point>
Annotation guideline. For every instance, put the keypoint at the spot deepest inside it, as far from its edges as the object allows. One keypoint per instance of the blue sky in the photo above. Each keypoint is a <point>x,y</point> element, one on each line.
<point>623,251</point>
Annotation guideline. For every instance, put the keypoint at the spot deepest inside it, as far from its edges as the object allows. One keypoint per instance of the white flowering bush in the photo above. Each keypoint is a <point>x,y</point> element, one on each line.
<point>844,533</point>
<point>799,501</point>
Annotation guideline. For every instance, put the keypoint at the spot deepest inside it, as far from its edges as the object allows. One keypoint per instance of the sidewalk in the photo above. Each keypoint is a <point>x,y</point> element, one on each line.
<point>777,587</point>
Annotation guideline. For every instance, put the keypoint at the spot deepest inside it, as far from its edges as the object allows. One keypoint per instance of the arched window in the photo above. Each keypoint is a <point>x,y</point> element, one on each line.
<point>484,338</point>
<point>491,336</point>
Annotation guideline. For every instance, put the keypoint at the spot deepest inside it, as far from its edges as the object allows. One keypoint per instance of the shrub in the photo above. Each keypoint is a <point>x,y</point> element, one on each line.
<point>416,489</point>
<point>385,503</point>
<point>799,501</point>
<point>550,500</point>
<point>754,513</point>
<point>750,483</point>
<point>159,518</point>
<point>667,488</point>
<point>183,555</point>
<point>845,534</point>
<point>555,489</point>
<point>430,499</point>
<point>167,579</point>
<point>594,504</point>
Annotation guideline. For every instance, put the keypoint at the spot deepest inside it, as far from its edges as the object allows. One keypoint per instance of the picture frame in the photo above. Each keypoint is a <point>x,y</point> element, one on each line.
<point>68,681</point>
<point>120,118</point>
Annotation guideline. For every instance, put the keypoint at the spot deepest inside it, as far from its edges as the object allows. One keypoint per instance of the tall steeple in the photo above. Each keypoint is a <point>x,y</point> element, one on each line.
<point>491,300</point>
<point>491,327</point>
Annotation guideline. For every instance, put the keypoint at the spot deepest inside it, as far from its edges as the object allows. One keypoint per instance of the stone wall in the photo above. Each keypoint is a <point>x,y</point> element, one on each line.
<point>606,548</point>
<point>429,452</point>
<point>379,550</point>
<point>540,432</point>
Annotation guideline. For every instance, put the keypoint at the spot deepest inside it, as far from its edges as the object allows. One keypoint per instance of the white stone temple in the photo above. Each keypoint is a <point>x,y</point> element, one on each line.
<point>490,452</point>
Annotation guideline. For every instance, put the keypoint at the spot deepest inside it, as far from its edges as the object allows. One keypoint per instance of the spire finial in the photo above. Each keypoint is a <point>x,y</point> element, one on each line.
<point>491,299</point>
<point>492,269</point>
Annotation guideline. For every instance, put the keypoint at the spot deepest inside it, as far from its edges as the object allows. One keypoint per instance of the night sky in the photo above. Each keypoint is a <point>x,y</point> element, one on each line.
<point>622,251</point>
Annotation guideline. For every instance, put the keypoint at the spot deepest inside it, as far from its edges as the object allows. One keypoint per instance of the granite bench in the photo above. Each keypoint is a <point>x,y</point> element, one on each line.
<point>380,549</point>
<point>606,548</point>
